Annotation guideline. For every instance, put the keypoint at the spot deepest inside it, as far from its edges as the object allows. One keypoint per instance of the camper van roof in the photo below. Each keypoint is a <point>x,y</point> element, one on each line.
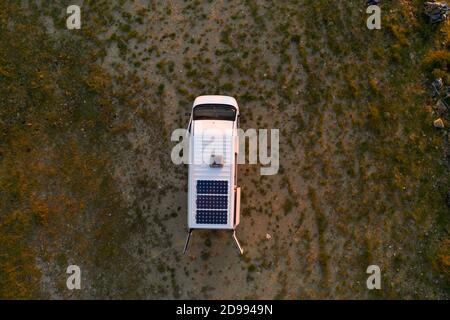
<point>211,187</point>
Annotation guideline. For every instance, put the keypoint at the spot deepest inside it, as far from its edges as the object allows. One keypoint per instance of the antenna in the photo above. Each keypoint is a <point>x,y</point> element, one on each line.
<point>241,251</point>
<point>187,241</point>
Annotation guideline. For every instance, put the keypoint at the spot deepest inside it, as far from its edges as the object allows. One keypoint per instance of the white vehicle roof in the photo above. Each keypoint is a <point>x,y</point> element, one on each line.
<point>211,189</point>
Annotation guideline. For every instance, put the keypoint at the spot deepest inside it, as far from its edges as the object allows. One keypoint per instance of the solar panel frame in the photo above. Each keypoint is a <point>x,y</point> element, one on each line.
<point>212,202</point>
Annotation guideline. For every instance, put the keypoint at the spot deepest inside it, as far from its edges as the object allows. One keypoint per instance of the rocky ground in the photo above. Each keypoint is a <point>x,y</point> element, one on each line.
<point>86,176</point>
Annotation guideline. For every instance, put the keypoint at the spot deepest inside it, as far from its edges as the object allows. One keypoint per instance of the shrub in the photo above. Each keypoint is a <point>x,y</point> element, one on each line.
<point>288,205</point>
<point>437,64</point>
<point>441,261</point>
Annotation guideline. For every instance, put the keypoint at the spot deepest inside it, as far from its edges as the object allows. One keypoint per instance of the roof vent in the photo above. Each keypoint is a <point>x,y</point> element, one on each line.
<point>216,161</point>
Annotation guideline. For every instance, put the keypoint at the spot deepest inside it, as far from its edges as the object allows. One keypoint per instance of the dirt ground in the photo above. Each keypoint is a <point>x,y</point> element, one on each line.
<point>85,164</point>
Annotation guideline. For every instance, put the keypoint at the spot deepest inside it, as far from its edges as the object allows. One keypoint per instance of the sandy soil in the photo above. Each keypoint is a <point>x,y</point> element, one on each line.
<point>349,193</point>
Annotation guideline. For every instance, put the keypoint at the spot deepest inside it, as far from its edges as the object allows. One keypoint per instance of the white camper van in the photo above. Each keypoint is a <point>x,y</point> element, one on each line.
<point>213,194</point>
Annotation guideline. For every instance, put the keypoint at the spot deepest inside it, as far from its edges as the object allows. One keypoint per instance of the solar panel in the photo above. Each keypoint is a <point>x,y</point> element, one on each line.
<point>212,187</point>
<point>212,202</point>
<point>211,216</point>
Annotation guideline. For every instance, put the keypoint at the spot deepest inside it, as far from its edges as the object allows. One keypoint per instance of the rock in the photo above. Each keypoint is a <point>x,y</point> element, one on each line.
<point>445,100</point>
<point>437,85</point>
<point>440,108</point>
<point>436,11</point>
<point>438,123</point>
<point>268,236</point>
